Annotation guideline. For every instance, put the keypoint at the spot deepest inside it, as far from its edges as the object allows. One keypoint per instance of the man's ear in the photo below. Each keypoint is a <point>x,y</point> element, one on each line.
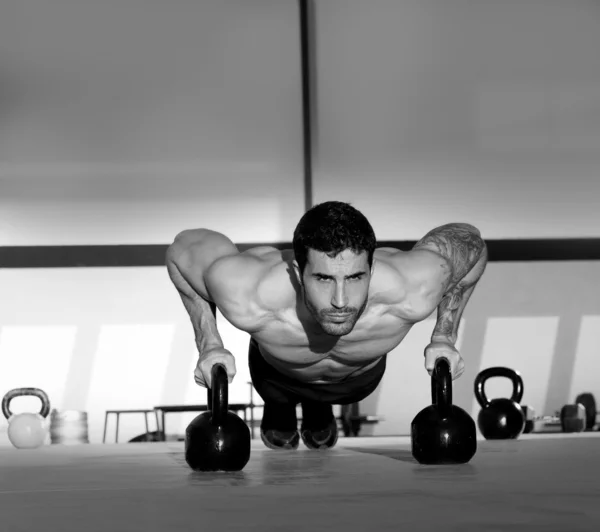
<point>373,266</point>
<point>297,271</point>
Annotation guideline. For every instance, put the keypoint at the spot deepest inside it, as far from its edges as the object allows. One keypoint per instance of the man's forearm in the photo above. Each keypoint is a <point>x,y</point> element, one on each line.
<point>204,323</point>
<point>200,310</point>
<point>449,313</point>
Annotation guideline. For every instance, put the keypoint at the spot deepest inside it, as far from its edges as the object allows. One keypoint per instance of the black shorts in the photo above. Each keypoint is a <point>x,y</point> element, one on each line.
<point>274,387</point>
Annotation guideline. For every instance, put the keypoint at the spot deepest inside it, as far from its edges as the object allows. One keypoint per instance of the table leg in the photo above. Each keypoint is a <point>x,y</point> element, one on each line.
<point>156,421</point>
<point>105,423</point>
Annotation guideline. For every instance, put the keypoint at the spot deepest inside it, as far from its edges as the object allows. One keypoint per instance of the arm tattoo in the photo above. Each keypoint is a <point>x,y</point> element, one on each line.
<point>460,244</point>
<point>449,313</point>
<point>464,250</point>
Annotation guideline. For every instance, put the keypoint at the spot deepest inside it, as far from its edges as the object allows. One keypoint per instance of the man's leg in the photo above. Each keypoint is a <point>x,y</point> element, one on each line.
<point>279,425</point>
<point>319,428</point>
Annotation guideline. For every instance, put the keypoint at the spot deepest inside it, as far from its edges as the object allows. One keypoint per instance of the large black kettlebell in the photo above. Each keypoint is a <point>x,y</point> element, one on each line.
<point>217,440</point>
<point>501,418</point>
<point>443,433</point>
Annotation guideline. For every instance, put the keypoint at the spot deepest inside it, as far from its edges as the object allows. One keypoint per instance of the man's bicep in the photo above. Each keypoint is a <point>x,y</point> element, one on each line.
<point>458,243</point>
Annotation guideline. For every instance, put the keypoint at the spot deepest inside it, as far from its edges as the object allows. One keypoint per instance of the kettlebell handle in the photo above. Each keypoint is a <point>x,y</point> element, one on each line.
<point>498,371</point>
<point>218,400</point>
<point>441,385</point>
<point>17,392</point>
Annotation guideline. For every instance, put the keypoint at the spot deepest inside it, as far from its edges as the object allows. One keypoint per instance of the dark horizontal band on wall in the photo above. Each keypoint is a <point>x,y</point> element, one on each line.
<point>154,254</point>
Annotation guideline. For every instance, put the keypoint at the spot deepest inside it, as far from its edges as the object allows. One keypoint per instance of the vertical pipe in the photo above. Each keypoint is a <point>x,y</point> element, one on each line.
<point>306,74</point>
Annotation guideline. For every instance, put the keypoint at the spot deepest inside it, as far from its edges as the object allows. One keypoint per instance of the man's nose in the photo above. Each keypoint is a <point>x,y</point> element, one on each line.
<point>340,299</point>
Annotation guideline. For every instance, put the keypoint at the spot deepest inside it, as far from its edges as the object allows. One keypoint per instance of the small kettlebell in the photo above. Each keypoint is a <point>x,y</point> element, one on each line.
<point>501,418</point>
<point>217,440</point>
<point>589,403</point>
<point>443,433</point>
<point>26,430</point>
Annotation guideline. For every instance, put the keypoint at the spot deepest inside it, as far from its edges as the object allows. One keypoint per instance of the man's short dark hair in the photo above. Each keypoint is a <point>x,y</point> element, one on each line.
<point>332,227</point>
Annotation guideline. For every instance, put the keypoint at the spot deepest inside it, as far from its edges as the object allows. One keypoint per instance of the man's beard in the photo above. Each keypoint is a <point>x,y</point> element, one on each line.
<point>335,328</point>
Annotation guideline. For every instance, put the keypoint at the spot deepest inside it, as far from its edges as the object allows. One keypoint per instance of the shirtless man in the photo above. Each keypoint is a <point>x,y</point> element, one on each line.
<point>323,316</point>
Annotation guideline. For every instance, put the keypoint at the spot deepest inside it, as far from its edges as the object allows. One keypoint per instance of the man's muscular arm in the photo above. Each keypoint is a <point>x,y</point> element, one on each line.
<point>465,258</point>
<point>188,261</point>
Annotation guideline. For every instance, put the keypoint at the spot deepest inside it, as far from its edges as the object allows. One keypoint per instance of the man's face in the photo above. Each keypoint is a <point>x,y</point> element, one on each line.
<point>335,290</point>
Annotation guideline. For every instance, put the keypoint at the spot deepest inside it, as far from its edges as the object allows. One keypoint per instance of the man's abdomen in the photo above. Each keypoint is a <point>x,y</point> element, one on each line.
<point>323,371</point>
<point>299,384</point>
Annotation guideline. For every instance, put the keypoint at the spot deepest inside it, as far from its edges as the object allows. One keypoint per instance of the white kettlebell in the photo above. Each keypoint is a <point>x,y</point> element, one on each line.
<point>27,430</point>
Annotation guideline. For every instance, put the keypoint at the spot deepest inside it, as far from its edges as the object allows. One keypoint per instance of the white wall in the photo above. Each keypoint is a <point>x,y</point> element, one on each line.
<point>431,111</point>
<point>125,122</point>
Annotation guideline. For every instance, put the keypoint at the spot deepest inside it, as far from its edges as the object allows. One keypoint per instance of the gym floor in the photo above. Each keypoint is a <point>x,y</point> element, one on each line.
<point>546,482</point>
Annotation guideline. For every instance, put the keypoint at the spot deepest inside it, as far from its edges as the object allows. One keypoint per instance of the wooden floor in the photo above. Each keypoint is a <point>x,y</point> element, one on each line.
<point>537,483</point>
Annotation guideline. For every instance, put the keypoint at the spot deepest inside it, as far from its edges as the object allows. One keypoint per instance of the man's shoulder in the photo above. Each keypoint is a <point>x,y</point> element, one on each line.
<point>414,263</point>
<point>255,281</point>
<point>246,269</point>
<point>414,272</point>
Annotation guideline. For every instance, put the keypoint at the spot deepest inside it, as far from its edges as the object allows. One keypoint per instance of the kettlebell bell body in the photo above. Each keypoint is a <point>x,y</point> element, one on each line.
<point>217,440</point>
<point>443,433</point>
<point>500,418</point>
<point>26,430</point>
<point>217,446</point>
